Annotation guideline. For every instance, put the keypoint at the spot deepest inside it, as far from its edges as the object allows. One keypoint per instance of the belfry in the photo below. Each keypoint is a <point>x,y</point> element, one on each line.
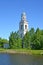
<point>23,25</point>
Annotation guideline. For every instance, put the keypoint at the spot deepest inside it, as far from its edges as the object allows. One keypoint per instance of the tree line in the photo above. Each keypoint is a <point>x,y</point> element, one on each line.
<point>32,40</point>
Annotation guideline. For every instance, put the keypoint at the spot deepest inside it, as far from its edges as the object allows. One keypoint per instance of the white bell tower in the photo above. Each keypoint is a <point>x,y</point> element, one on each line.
<point>23,25</point>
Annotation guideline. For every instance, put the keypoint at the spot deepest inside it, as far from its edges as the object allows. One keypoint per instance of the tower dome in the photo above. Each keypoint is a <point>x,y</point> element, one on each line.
<point>23,16</point>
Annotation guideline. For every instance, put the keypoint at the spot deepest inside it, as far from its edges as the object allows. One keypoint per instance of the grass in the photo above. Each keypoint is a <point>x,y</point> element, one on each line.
<point>22,51</point>
<point>27,51</point>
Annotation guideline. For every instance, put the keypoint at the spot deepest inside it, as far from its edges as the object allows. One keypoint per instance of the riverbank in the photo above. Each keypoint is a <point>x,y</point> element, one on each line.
<point>22,51</point>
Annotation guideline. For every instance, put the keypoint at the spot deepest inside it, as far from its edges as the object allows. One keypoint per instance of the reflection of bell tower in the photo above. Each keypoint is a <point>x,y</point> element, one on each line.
<point>23,25</point>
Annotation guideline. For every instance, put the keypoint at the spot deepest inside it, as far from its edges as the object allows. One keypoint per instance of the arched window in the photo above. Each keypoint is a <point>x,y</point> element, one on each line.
<point>25,26</point>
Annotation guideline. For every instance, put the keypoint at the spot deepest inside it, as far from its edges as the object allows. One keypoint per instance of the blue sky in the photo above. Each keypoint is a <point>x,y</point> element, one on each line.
<point>10,15</point>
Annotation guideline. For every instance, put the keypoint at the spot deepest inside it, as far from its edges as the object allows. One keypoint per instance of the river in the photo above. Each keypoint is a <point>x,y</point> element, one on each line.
<point>20,59</point>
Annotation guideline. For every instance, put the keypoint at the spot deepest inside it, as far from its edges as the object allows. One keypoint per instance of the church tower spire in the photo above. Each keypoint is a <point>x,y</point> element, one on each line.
<point>23,16</point>
<point>23,25</point>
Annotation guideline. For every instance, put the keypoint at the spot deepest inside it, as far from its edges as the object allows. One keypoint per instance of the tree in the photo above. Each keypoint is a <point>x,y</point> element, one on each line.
<point>32,31</point>
<point>26,40</point>
<point>41,39</point>
<point>14,40</point>
<point>36,44</point>
<point>2,41</point>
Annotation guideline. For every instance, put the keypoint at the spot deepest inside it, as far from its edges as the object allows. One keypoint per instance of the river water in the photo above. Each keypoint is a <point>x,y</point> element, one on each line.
<point>20,59</point>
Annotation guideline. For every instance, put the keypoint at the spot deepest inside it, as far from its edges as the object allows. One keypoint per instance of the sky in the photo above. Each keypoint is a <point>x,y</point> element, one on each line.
<point>10,15</point>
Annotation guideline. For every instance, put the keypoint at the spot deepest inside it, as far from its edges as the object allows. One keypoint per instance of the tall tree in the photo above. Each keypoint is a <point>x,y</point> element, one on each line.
<point>14,40</point>
<point>32,31</point>
<point>26,40</point>
<point>36,44</point>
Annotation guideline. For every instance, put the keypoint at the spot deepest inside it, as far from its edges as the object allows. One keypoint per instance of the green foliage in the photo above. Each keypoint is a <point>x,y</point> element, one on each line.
<point>41,39</point>
<point>36,44</point>
<point>2,41</point>
<point>26,40</point>
<point>32,31</point>
<point>32,40</point>
<point>14,40</point>
<point>37,40</point>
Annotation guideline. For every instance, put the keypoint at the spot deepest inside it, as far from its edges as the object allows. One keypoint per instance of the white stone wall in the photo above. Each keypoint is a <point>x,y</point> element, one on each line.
<point>22,24</point>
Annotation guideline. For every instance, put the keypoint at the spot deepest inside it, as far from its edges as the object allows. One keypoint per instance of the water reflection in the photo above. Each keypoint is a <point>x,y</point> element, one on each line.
<point>17,59</point>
